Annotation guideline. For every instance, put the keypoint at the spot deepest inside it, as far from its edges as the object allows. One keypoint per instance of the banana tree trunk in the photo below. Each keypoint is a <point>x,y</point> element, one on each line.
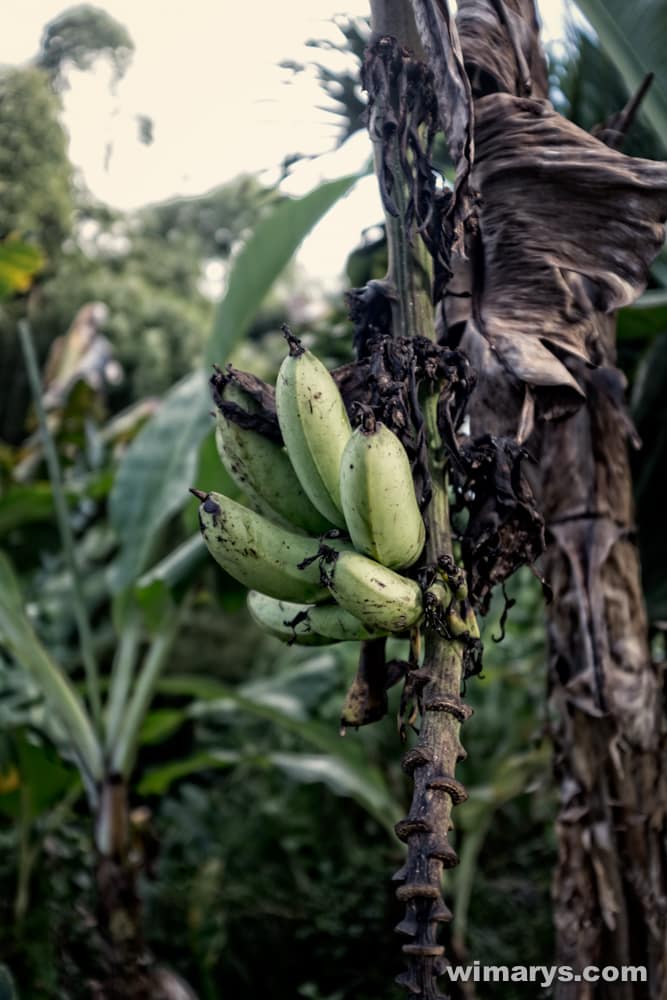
<point>610,887</point>
<point>119,920</point>
<point>606,696</point>
<point>129,969</point>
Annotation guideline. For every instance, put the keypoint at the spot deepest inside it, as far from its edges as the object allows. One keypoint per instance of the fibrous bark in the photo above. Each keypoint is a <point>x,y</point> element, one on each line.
<point>610,887</point>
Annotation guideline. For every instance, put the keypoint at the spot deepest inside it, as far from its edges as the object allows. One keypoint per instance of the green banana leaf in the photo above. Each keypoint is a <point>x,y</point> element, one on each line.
<point>158,780</point>
<point>18,636</point>
<point>25,503</point>
<point>266,254</point>
<point>160,724</point>
<point>340,776</point>
<point>634,36</point>
<point>41,778</point>
<point>153,478</point>
<point>341,762</point>
<point>646,318</point>
<point>152,481</point>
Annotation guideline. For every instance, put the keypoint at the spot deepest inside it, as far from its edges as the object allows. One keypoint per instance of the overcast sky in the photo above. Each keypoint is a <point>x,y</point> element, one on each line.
<point>207,73</point>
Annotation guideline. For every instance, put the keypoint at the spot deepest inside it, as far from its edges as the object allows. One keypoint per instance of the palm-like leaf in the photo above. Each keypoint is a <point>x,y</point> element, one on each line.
<point>633,35</point>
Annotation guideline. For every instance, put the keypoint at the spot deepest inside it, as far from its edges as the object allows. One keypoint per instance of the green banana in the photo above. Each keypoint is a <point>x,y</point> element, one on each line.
<point>258,553</point>
<point>260,466</point>
<point>272,616</point>
<point>378,496</point>
<point>374,594</point>
<point>305,624</point>
<point>315,427</point>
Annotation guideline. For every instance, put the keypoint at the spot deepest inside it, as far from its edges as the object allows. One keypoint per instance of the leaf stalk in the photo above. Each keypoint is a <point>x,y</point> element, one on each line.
<point>64,527</point>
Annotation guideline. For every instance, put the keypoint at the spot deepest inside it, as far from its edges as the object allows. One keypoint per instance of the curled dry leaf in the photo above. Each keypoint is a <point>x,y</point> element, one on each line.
<point>501,47</point>
<point>454,99</point>
<point>568,228</point>
<point>402,123</point>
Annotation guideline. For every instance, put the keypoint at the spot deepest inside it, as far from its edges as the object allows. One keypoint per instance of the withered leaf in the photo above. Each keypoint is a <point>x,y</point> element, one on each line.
<point>569,228</point>
<point>366,699</point>
<point>455,111</point>
<point>501,47</point>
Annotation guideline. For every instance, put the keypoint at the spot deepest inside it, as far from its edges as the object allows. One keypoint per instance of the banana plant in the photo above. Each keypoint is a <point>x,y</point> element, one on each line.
<point>98,726</point>
<point>408,101</point>
<point>98,735</point>
<point>634,42</point>
<point>387,487</point>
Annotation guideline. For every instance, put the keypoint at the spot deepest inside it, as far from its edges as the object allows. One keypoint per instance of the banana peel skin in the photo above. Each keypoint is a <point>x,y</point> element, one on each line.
<point>306,624</point>
<point>315,427</point>
<point>260,554</point>
<point>366,700</point>
<point>259,464</point>
<point>378,496</point>
<point>376,595</point>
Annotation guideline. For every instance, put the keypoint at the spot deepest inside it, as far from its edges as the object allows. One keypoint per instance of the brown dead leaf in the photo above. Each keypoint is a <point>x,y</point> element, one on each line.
<point>454,97</point>
<point>569,229</point>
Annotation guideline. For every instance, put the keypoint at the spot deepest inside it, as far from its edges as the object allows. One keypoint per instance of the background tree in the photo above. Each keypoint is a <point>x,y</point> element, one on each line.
<point>78,37</point>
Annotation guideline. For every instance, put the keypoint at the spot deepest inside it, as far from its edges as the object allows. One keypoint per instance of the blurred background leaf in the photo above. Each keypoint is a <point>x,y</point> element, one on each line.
<point>632,37</point>
<point>264,256</point>
<point>19,263</point>
<point>153,478</point>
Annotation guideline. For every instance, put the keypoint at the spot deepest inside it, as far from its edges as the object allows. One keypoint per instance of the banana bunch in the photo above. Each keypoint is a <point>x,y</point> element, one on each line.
<point>331,516</point>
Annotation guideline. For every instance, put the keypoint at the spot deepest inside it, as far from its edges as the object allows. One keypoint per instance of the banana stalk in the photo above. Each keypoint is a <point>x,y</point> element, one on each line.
<point>395,98</point>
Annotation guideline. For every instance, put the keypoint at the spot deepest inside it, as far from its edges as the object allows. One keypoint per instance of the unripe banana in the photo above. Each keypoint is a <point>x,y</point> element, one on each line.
<point>374,594</point>
<point>305,624</point>
<point>378,496</point>
<point>260,466</point>
<point>272,616</point>
<point>258,553</point>
<point>315,427</point>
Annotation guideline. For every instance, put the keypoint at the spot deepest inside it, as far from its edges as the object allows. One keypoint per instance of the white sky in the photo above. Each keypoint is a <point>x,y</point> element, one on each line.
<point>206,72</point>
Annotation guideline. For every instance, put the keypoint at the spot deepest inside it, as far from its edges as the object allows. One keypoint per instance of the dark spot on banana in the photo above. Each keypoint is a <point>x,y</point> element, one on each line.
<point>211,507</point>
